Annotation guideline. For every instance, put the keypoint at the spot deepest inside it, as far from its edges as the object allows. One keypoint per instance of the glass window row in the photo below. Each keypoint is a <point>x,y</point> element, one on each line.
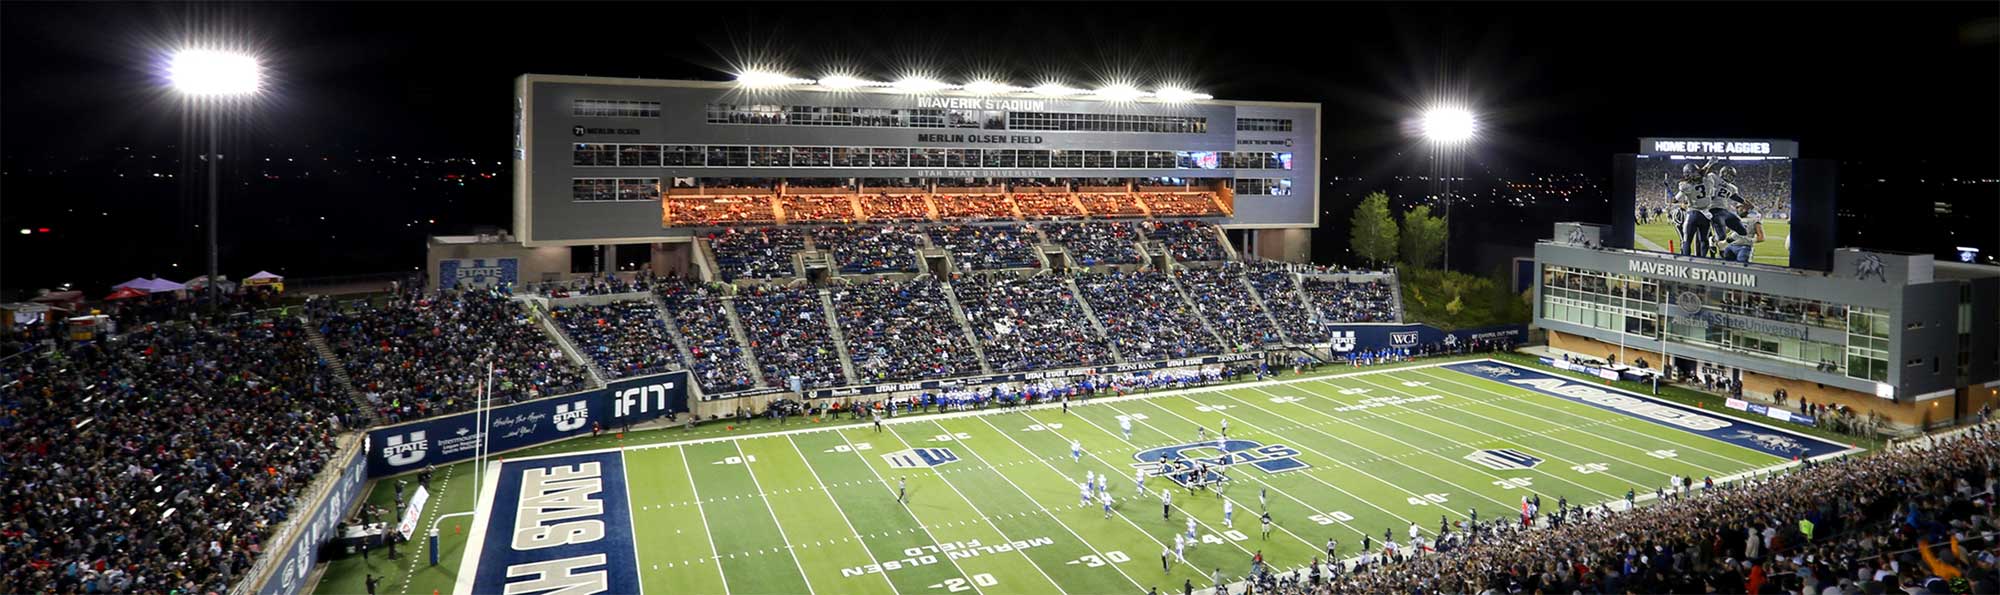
<point>1264,186</point>
<point>614,108</point>
<point>650,155</point>
<point>882,117</point>
<point>1264,124</point>
<point>614,189</point>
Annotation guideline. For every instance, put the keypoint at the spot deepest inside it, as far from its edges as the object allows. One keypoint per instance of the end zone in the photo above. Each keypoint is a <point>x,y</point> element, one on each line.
<point>559,523</point>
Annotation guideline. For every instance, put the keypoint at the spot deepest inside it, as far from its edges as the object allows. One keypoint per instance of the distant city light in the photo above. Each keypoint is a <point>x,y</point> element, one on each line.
<point>758,79</point>
<point>1448,125</point>
<point>215,73</point>
<point>26,231</point>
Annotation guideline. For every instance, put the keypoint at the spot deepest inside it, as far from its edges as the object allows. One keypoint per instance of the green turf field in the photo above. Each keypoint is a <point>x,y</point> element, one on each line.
<point>1772,251</point>
<point>815,510</point>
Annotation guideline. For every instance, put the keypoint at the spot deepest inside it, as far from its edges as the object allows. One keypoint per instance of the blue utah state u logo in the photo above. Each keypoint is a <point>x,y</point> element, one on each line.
<point>1274,458</point>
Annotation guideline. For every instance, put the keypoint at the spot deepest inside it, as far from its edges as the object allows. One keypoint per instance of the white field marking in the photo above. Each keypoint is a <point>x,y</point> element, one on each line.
<point>913,516</point>
<point>703,514</point>
<point>1245,505</point>
<point>1623,417</point>
<point>1488,435</point>
<point>838,509</point>
<point>1024,494</point>
<point>803,577</point>
<point>1600,453</point>
<point>927,417</point>
<point>478,533</point>
<point>996,526</point>
<point>1330,459</point>
<point>1371,431</point>
<point>632,519</point>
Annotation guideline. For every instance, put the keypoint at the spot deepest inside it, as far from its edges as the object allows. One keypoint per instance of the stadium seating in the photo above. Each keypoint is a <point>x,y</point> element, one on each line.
<point>1192,241</point>
<point>973,207</point>
<point>427,354</point>
<point>1278,287</point>
<point>756,252</point>
<point>162,460</point>
<point>870,249</point>
<point>902,331</point>
<point>787,330</point>
<point>1037,205</point>
<point>1337,300</point>
<point>1029,323</point>
<point>710,211</point>
<point>817,208</point>
<point>895,207</point>
<point>987,247</point>
<point>590,286</point>
<point>624,338</point>
<point>1219,295</point>
<point>714,357</point>
<point>1181,204</point>
<point>1144,316</point>
<point>1115,204</point>
<point>1093,243</point>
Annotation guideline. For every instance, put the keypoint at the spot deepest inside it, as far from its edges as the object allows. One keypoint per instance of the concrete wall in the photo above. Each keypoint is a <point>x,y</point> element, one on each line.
<point>535,262</point>
<point>1289,245</point>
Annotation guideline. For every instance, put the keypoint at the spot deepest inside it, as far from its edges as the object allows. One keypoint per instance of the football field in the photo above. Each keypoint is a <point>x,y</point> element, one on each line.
<point>994,503</point>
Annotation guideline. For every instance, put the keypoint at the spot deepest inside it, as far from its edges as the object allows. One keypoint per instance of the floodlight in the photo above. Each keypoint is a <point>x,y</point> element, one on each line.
<point>987,87</point>
<point>1119,92</point>
<point>1448,125</point>
<point>842,81</point>
<point>214,73</point>
<point>759,79</point>
<point>919,84</point>
<point>1055,90</point>
<point>1179,94</point>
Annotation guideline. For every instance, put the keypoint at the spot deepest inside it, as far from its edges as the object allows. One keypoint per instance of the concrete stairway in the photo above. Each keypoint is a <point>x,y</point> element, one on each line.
<point>341,381</point>
<point>673,329</point>
<point>1265,306</point>
<point>742,338</point>
<point>1091,315</point>
<point>1181,290</point>
<point>839,338</point>
<point>548,324</point>
<point>965,326</point>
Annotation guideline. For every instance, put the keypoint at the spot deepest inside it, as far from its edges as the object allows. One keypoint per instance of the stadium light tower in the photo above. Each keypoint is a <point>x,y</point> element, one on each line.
<point>209,79</point>
<point>1447,128</point>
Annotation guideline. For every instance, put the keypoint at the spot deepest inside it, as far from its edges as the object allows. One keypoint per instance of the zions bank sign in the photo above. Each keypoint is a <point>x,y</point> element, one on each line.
<point>452,438</point>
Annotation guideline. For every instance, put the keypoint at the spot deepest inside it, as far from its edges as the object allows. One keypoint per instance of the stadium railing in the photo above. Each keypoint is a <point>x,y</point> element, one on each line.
<point>284,540</point>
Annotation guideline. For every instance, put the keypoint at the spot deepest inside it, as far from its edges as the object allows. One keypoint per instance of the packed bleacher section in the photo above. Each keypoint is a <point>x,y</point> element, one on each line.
<point>1144,316</point>
<point>817,208</point>
<point>987,247</point>
<point>714,357</point>
<point>1220,297</point>
<point>871,249</point>
<point>1187,240</point>
<point>1092,243</point>
<point>704,210</point>
<point>1029,323</point>
<point>1279,288</point>
<point>1915,520</point>
<point>1039,205</point>
<point>162,460</point>
<point>787,330</point>
<point>593,285</point>
<point>1112,204</point>
<point>902,331</point>
<point>1181,204</point>
<point>896,207</point>
<point>1336,300</point>
<point>756,252</point>
<point>427,354</point>
<point>973,207</point>
<point>624,338</point>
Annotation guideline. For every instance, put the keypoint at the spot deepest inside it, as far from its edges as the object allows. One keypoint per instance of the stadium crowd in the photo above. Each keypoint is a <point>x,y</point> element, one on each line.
<point>1145,316</point>
<point>427,354</point>
<point>1029,323</point>
<point>1096,242</point>
<point>708,211</point>
<point>788,332</point>
<point>714,357</point>
<point>987,247</point>
<point>1187,240</point>
<point>1040,205</point>
<point>973,207</point>
<point>1339,300</point>
<point>756,252</point>
<point>592,285</point>
<point>1181,204</point>
<point>861,250</point>
<point>159,461</point>
<point>1220,297</point>
<point>896,207</point>
<point>1279,287</point>
<point>1916,519</point>
<point>624,338</point>
<point>902,331</point>
<point>1115,204</point>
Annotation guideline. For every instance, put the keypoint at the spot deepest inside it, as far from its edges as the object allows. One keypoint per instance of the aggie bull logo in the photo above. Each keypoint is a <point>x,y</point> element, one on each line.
<point>1271,458</point>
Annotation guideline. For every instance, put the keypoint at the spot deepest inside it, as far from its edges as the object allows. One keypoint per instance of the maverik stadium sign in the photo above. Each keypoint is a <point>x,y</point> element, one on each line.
<point>1691,273</point>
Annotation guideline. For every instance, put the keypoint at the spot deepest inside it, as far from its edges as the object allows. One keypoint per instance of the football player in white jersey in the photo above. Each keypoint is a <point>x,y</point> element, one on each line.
<point>1723,202</point>
<point>1692,195</point>
<point>1741,245</point>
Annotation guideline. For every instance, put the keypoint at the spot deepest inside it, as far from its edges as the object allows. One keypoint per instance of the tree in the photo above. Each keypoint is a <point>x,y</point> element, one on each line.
<point>1374,232</point>
<point>1423,237</point>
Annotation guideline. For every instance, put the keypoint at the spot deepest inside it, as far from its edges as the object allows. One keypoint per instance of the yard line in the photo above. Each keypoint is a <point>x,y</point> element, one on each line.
<point>838,510</point>
<point>1489,435</point>
<point>1308,473</point>
<point>961,496</point>
<point>1622,417</point>
<point>1031,499</point>
<point>1246,506</point>
<point>803,576</point>
<point>632,520</point>
<point>712,554</point>
<point>1548,436</point>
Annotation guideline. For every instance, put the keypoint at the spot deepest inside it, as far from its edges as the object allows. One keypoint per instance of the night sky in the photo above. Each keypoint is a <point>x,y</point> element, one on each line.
<point>1560,86</point>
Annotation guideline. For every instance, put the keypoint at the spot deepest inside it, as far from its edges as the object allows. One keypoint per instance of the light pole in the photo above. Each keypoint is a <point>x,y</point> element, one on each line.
<point>209,78</point>
<point>1447,128</point>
